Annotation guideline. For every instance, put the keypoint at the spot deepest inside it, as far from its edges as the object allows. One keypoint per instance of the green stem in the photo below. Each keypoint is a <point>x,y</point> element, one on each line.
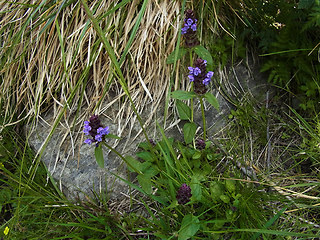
<point>203,118</point>
<point>191,101</point>
<point>123,158</point>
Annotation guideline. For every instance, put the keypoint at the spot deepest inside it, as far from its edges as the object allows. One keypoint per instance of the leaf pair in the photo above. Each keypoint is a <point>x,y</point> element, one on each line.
<point>184,95</point>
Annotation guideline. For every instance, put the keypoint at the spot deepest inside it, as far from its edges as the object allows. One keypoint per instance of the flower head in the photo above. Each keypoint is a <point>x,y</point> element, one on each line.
<point>94,129</point>
<point>189,29</point>
<point>6,231</point>
<point>200,144</point>
<point>184,194</point>
<point>200,76</point>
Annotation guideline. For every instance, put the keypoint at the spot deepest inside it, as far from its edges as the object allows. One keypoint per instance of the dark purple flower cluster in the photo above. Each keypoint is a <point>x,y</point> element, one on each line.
<point>190,29</point>
<point>200,76</point>
<point>184,194</point>
<point>200,144</point>
<point>94,129</point>
<point>153,142</point>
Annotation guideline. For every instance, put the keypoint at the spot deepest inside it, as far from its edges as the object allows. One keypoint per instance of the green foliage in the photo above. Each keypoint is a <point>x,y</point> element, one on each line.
<point>183,95</point>
<point>204,54</point>
<point>250,117</point>
<point>99,156</point>
<point>218,203</point>
<point>183,110</point>
<point>189,227</point>
<point>189,130</point>
<point>309,149</point>
<point>287,34</point>
<point>212,100</point>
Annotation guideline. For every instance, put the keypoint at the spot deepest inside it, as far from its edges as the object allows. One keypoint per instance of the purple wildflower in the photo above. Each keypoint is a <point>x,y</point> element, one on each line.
<point>200,76</point>
<point>189,29</point>
<point>87,128</point>
<point>194,27</point>
<point>191,78</point>
<point>184,194</point>
<point>208,78</point>
<point>103,131</point>
<point>94,129</point>
<point>196,71</point>
<point>200,144</point>
<point>184,30</point>
<point>209,74</point>
<point>88,141</point>
<point>189,22</point>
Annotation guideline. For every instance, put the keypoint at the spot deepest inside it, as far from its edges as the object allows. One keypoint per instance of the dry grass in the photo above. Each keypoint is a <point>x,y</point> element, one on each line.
<point>46,51</point>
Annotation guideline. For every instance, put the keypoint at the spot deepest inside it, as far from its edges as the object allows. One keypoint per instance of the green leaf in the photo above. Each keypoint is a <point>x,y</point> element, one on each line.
<point>189,227</point>
<point>216,190</point>
<point>145,146</point>
<point>204,54</point>
<point>195,186</point>
<point>196,155</point>
<point>151,171</point>
<point>183,110</point>
<point>181,53</point>
<point>183,95</point>
<point>112,136</point>
<point>225,198</point>
<point>147,156</point>
<point>99,156</point>
<point>145,183</point>
<point>134,163</point>
<point>230,185</point>
<point>212,100</point>
<point>189,131</point>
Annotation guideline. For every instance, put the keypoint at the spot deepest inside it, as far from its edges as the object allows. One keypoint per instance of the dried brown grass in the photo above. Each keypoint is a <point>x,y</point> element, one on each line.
<point>40,70</point>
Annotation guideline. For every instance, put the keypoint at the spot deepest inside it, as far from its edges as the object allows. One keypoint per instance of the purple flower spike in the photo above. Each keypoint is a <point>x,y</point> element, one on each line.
<point>200,144</point>
<point>94,129</point>
<point>189,29</point>
<point>199,75</point>
<point>184,194</point>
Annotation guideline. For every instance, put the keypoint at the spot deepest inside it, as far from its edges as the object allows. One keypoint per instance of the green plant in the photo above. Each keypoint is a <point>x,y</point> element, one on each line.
<point>286,32</point>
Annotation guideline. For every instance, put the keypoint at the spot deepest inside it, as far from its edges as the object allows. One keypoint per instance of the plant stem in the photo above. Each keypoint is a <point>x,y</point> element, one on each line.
<point>191,89</point>
<point>203,118</point>
<point>122,157</point>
